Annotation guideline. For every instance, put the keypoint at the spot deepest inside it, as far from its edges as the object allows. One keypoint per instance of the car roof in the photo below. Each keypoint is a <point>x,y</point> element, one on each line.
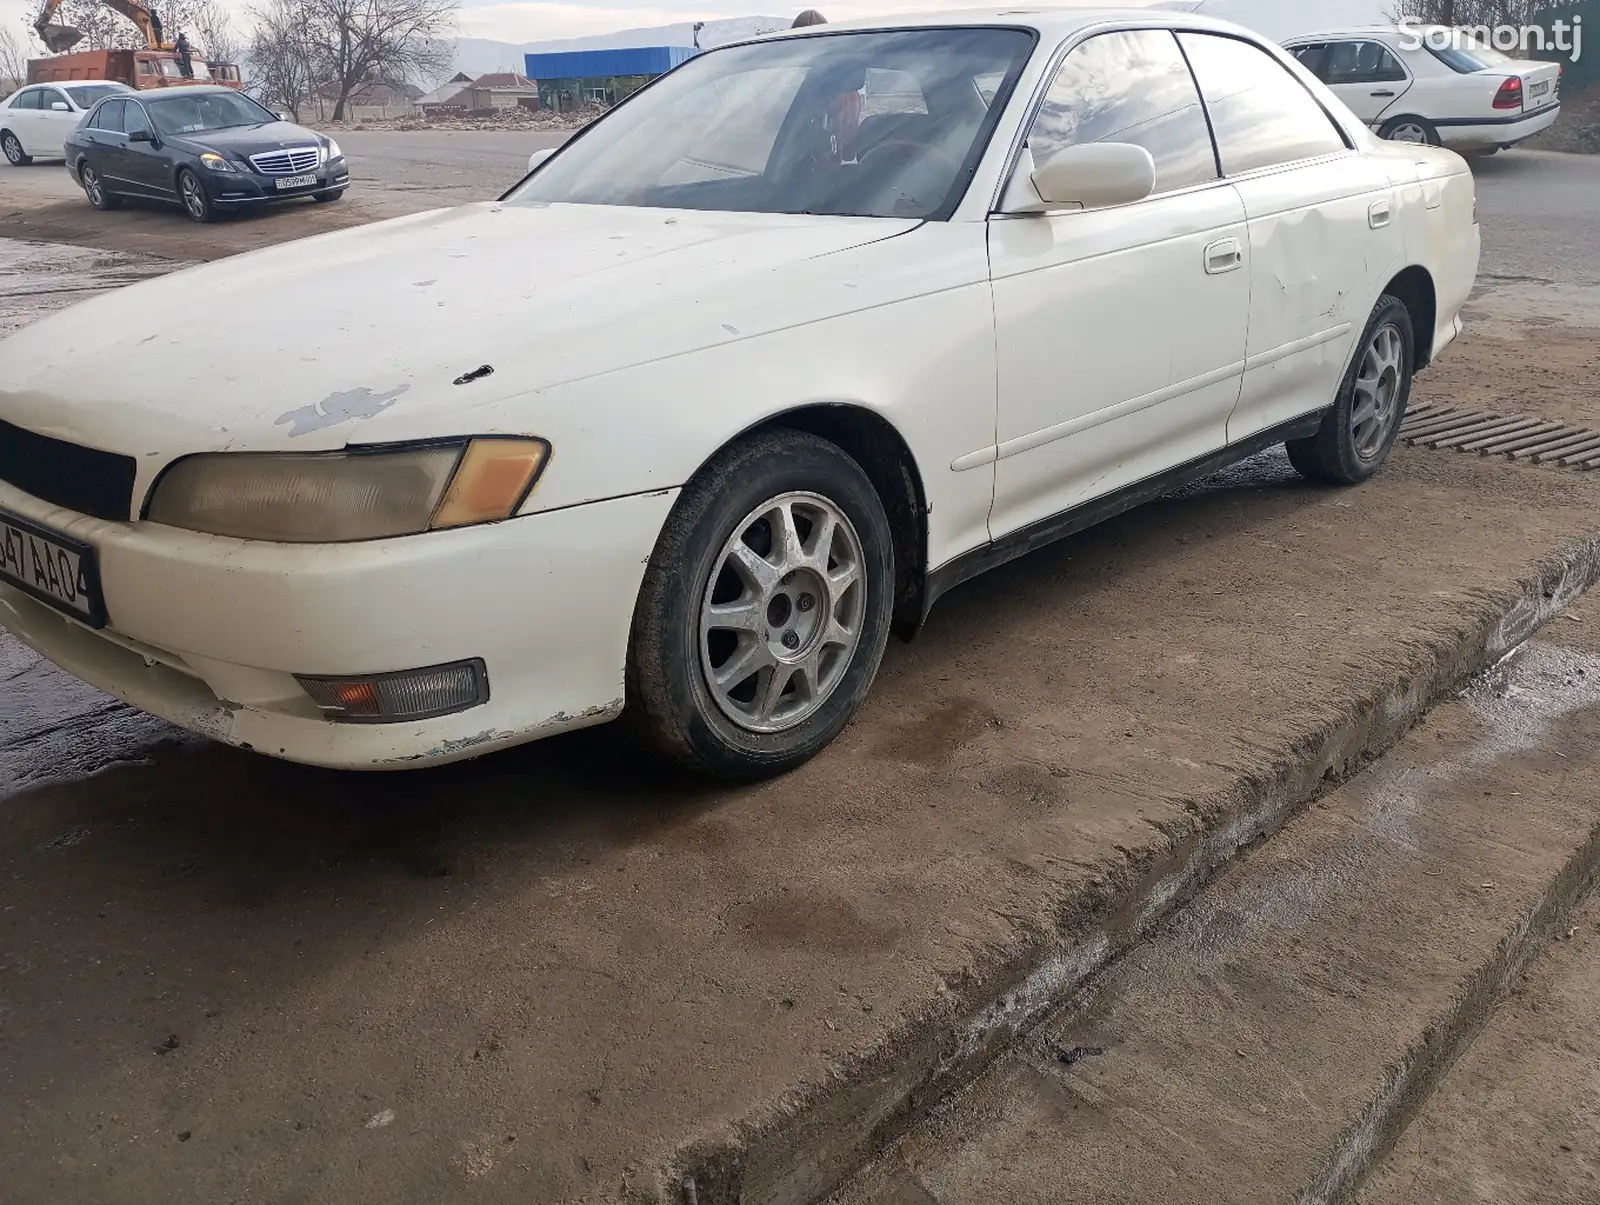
<point>1357,31</point>
<point>189,90</point>
<point>1052,23</point>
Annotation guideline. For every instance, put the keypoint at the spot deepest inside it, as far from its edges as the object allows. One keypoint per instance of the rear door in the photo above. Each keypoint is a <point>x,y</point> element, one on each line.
<point>1322,240</point>
<point>22,119</point>
<point>1364,73</point>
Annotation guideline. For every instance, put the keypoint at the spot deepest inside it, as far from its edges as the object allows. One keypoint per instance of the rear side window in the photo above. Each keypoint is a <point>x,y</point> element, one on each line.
<point>109,116</point>
<point>1360,63</point>
<point>25,100</point>
<point>1133,87</point>
<point>1262,116</point>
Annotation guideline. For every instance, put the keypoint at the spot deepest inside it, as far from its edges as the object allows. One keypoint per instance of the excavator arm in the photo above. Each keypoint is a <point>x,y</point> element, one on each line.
<point>61,38</point>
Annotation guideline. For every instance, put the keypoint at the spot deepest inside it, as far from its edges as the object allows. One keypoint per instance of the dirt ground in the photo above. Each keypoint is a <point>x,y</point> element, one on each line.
<point>537,977</point>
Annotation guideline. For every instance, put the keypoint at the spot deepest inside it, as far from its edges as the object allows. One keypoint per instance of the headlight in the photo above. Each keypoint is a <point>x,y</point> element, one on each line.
<point>215,161</point>
<point>335,497</point>
<point>333,151</point>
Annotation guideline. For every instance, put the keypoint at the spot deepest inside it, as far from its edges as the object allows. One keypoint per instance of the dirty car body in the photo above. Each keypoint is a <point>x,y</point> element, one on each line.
<point>468,473</point>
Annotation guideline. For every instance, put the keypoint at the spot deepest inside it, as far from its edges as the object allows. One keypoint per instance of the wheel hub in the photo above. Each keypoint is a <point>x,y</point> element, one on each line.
<point>782,614</point>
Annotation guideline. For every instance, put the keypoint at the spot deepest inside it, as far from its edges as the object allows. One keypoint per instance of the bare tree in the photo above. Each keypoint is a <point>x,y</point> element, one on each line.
<point>1467,12</point>
<point>213,30</point>
<point>13,62</point>
<point>355,42</point>
<point>280,60</point>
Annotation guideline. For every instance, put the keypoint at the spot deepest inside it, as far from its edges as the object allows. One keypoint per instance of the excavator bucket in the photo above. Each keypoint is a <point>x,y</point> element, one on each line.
<point>60,38</point>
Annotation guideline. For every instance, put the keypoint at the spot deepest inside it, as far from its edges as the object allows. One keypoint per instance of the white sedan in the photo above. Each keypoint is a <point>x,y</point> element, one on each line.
<point>735,384</point>
<point>35,121</point>
<point>1430,84</point>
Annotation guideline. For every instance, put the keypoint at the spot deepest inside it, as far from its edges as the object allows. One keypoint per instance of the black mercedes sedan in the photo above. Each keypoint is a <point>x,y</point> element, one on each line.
<point>209,149</point>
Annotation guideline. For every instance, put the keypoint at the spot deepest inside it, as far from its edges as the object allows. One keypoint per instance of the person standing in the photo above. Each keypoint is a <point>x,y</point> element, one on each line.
<point>810,17</point>
<point>185,64</point>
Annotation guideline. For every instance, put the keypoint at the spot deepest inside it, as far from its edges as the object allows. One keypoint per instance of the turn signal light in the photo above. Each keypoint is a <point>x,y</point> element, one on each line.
<point>1510,94</point>
<point>411,694</point>
<point>492,481</point>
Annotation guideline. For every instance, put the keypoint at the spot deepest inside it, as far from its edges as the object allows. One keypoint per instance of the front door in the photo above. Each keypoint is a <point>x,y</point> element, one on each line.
<point>1120,332</point>
<point>55,120</point>
<point>143,162</point>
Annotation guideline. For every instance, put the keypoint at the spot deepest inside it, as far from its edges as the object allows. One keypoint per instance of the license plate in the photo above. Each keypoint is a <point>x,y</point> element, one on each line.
<point>296,182</point>
<point>1539,89</point>
<point>54,568</point>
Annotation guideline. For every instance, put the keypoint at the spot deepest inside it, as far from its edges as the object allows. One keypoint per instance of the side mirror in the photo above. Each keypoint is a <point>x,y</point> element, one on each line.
<point>141,136</point>
<point>285,115</point>
<point>60,106</point>
<point>538,157</point>
<point>1091,175</point>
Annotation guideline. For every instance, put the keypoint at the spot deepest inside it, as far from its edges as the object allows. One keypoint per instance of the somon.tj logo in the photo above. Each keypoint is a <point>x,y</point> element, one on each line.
<point>1563,36</point>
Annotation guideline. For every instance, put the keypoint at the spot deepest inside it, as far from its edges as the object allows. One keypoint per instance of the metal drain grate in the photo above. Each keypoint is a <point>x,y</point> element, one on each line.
<point>1518,437</point>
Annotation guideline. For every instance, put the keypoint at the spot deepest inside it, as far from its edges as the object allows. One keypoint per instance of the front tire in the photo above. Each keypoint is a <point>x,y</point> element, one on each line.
<point>1362,424</point>
<point>333,194</point>
<point>95,189</point>
<point>193,197</point>
<point>1411,129</point>
<point>12,146</point>
<point>764,610</point>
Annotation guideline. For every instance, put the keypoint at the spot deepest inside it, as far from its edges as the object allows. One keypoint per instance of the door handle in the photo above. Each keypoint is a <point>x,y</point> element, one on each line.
<point>1224,255</point>
<point>1385,92</point>
<point>1378,214</point>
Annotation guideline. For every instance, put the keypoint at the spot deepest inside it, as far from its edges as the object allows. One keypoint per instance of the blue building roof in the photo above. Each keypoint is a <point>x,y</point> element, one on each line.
<point>592,64</point>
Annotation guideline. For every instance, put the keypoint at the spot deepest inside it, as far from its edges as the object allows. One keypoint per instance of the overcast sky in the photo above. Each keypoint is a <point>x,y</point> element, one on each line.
<point>533,20</point>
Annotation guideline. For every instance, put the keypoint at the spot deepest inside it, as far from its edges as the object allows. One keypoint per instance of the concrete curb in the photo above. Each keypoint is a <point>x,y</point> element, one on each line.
<point>1428,1059</point>
<point>804,1146</point>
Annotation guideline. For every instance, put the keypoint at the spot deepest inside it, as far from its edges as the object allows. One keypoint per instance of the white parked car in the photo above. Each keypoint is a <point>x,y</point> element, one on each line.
<point>35,121</point>
<point>1428,84</point>
<point>737,382</point>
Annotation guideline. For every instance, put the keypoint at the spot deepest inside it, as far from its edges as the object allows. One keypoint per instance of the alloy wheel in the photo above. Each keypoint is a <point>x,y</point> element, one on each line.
<point>1408,131</point>
<point>193,202</point>
<point>783,612</point>
<point>1373,411</point>
<point>92,187</point>
<point>13,150</point>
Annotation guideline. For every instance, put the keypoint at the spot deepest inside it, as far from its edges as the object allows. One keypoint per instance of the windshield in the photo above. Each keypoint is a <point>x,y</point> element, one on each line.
<point>207,111</point>
<point>879,124</point>
<point>84,95</point>
<point>1466,55</point>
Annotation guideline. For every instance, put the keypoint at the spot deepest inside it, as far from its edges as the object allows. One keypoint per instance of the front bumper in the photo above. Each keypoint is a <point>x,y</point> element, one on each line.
<point>207,632</point>
<point>245,187</point>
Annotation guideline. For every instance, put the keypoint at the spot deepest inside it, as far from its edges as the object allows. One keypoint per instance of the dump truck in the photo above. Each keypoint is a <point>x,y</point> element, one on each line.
<point>157,65</point>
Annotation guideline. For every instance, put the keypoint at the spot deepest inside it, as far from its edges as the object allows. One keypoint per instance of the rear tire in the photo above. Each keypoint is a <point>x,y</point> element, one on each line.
<point>1362,424</point>
<point>193,197</point>
<point>95,189</point>
<point>764,610</point>
<point>12,146</point>
<point>1411,129</point>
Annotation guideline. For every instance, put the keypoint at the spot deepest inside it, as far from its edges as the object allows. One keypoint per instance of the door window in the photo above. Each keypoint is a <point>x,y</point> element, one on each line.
<point>25,100</point>
<point>1129,87</point>
<point>1360,63</point>
<point>109,116</point>
<point>1260,113</point>
<point>49,98</point>
<point>134,118</point>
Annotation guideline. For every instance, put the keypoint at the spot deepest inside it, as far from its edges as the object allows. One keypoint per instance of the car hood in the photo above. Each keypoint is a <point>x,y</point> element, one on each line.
<point>248,140</point>
<point>358,336</point>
